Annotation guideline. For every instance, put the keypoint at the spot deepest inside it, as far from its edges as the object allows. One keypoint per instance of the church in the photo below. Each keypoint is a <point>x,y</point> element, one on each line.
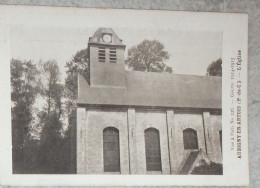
<point>131,122</point>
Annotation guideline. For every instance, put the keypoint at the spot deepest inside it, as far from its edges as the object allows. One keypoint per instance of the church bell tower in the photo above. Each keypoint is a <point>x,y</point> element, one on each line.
<point>106,56</point>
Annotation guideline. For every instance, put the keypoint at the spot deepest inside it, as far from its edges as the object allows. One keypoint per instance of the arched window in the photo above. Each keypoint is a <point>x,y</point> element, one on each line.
<point>190,139</point>
<point>152,150</point>
<point>111,150</point>
<point>220,139</point>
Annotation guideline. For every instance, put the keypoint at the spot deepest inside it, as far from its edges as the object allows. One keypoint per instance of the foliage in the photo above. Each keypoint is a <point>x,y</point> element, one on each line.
<point>208,169</point>
<point>24,87</point>
<point>50,141</point>
<point>49,154</point>
<point>23,94</point>
<point>215,68</point>
<point>148,56</point>
<point>51,90</point>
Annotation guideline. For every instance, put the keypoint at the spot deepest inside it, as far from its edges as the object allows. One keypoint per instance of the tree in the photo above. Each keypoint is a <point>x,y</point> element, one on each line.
<point>215,68</point>
<point>24,91</point>
<point>148,56</point>
<point>50,153</point>
<point>51,89</point>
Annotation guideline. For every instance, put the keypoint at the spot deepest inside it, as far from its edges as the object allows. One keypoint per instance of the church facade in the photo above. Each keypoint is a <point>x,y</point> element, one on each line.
<point>131,122</point>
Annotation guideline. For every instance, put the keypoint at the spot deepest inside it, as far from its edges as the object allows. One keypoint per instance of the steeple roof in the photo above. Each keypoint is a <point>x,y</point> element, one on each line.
<point>97,37</point>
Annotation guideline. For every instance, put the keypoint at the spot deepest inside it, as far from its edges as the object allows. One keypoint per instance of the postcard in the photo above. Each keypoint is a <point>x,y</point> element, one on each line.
<point>118,97</point>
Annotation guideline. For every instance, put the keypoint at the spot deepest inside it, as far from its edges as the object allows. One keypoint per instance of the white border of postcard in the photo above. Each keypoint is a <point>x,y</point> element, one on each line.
<point>235,40</point>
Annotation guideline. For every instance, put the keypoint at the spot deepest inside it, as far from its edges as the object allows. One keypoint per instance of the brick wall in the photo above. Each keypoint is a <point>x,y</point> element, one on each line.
<point>154,119</point>
<point>184,120</point>
<point>131,124</point>
<point>96,121</point>
<point>81,141</point>
<point>216,126</point>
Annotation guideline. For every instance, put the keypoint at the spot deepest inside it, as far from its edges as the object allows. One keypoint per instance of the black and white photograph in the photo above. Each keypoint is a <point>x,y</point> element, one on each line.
<point>106,99</point>
<point>112,102</point>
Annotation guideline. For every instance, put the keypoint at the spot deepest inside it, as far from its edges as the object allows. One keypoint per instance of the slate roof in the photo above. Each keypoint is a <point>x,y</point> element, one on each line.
<point>97,37</point>
<point>156,90</point>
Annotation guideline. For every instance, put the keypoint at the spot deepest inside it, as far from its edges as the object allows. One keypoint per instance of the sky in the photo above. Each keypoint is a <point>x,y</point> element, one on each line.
<point>190,51</point>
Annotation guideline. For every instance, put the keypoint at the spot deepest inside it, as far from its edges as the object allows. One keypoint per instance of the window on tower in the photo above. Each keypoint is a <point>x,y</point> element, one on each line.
<point>106,54</point>
<point>102,54</point>
<point>112,55</point>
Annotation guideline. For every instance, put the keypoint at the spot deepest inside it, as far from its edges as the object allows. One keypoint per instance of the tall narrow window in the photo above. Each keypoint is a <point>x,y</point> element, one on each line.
<point>152,150</point>
<point>102,54</point>
<point>190,139</point>
<point>220,139</point>
<point>112,55</point>
<point>111,150</point>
